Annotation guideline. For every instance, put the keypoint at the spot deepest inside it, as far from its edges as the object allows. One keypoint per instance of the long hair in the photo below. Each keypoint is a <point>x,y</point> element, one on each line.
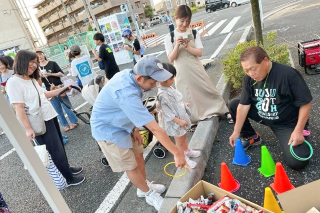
<point>21,63</point>
<point>5,62</point>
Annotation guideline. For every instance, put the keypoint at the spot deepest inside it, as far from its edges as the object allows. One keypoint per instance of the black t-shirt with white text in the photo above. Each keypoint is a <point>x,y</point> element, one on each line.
<point>280,99</point>
<point>51,67</point>
<point>110,65</point>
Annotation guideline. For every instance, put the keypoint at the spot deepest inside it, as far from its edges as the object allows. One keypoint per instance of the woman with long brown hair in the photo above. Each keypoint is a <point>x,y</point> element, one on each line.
<point>28,98</point>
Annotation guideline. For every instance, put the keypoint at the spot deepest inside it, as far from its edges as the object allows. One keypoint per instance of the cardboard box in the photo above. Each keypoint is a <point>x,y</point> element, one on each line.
<point>204,188</point>
<point>301,199</point>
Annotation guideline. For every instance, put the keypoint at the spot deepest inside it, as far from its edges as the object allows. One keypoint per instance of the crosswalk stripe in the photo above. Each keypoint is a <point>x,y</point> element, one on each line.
<point>152,41</point>
<point>209,25</point>
<point>231,24</point>
<point>216,27</point>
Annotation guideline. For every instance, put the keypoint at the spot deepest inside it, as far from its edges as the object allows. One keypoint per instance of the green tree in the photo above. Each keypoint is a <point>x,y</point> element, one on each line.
<point>148,11</point>
<point>90,27</point>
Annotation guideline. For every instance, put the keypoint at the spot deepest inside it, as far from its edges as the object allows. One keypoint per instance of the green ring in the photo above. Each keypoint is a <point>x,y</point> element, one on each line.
<point>299,158</point>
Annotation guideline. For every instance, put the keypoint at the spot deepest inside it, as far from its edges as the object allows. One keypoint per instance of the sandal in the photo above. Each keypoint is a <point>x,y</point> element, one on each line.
<point>73,126</point>
<point>192,128</point>
<point>229,118</point>
<point>66,128</point>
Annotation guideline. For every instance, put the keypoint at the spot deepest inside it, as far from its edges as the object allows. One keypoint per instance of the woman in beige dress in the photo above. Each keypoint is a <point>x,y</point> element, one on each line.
<point>183,48</point>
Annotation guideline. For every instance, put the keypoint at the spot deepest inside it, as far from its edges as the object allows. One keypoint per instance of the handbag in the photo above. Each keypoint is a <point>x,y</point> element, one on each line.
<point>36,121</point>
<point>42,152</point>
<point>56,175</point>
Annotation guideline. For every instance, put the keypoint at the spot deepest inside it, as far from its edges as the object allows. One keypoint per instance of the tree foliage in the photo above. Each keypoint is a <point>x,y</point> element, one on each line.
<point>232,68</point>
<point>148,11</point>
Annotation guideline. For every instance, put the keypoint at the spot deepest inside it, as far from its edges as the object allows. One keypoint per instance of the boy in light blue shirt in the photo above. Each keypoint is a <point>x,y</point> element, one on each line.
<point>118,111</point>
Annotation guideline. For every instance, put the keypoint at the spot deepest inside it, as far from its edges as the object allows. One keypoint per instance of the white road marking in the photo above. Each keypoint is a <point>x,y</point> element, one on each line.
<point>113,198</point>
<point>231,24</point>
<point>216,27</point>
<point>207,26</point>
<point>6,154</point>
<point>221,45</point>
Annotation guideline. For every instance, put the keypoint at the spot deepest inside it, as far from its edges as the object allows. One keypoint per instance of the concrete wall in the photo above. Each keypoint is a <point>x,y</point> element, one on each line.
<point>12,33</point>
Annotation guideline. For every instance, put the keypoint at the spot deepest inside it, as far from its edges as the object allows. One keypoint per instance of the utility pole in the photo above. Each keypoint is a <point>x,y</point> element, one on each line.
<point>90,13</point>
<point>256,21</point>
<point>133,18</point>
<point>68,15</point>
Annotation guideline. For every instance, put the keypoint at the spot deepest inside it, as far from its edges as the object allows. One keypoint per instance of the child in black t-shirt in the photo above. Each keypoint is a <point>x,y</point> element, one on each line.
<point>105,55</point>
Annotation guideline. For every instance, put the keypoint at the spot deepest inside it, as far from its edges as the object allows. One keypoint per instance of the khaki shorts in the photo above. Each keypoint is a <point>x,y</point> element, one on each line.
<point>120,159</point>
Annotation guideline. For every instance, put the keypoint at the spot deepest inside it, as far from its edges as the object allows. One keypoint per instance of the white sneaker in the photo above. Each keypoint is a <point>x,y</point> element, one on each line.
<point>192,153</point>
<point>155,200</point>
<point>159,188</point>
<point>191,163</point>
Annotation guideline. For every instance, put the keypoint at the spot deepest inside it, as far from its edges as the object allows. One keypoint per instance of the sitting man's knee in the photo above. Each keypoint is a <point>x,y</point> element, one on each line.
<point>233,104</point>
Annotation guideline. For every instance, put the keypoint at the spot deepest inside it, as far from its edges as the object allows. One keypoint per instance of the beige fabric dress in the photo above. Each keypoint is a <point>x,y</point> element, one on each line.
<point>196,86</point>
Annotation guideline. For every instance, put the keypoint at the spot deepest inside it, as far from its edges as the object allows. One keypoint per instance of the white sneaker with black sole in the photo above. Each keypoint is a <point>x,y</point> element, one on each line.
<point>159,188</point>
<point>77,180</point>
<point>154,199</point>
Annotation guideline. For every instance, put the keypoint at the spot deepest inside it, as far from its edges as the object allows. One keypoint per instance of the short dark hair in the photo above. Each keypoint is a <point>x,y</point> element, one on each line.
<point>170,68</point>
<point>98,37</point>
<point>21,63</point>
<point>10,60</point>
<point>183,11</point>
<point>5,62</point>
<point>71,55</point>
<point>257,52</point>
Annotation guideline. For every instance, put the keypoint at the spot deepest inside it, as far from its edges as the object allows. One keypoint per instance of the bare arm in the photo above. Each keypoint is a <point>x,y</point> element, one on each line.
<point>164,139</point>
<point>19,108</point>
<point>194,51</point>
<point>53,93</point>
<point>59,74</point>
<point>242,112</point>
<point>175,52</point>
<point>297,137</point>
<point>96,55</point>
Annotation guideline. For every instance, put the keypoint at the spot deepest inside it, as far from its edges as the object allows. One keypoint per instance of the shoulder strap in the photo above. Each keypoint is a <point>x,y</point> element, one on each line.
<point>194,32</point>
<point>172,36</point>
<point>37,92</point>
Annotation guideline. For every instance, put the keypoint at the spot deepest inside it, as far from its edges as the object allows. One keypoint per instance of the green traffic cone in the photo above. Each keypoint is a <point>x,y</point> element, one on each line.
<point>268,167</point>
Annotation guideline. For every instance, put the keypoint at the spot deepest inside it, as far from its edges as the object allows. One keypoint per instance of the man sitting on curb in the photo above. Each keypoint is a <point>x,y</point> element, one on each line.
<point>118,111</point>
<point>277,96</point>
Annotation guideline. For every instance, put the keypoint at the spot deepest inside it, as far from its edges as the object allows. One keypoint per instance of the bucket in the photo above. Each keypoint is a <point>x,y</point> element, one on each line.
<point>145,136</point>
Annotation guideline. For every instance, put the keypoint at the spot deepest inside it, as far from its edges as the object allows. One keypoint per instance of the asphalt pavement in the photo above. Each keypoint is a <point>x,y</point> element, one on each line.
<point>293,24</point>
<point>22,194</point>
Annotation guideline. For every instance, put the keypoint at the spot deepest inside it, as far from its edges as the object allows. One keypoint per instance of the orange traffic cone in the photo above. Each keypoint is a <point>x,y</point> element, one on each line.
<point>228,183</point>
<point>270,201</point>
<point>281,181</point>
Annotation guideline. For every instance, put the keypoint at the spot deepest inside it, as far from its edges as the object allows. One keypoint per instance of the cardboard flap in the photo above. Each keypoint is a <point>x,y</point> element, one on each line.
<point>301,199</point>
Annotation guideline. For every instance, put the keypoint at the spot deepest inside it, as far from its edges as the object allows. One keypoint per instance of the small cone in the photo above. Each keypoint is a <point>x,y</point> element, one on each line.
<point>228,183</point>
<point>281,181</point>
<point>268,167</point>
<point>270,201</point>
<point>240,156</point>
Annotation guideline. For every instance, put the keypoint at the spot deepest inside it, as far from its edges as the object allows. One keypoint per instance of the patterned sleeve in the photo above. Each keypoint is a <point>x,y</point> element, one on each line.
<point>167,109</point>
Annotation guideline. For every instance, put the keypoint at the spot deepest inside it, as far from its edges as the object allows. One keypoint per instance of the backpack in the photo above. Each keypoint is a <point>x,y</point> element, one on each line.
<point>194,32</point>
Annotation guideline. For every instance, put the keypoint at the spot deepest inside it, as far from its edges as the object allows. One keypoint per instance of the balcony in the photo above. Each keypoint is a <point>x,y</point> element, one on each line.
<point>81,17</point>
<point>58,28</point>
<point>77,6</point>
<point>102,8</point>
<point>54,17</point>
<point>50,31</point>
<point>66,24</point>
<point>62,13</point>
<point>44,23</point>
<point>41,12</point>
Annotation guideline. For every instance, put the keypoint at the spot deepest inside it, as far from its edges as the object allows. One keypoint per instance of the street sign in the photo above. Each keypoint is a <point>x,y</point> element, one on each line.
<point>123,8</point>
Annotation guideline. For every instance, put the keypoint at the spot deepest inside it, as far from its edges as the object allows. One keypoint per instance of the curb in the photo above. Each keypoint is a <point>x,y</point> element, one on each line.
<point>201,140</point>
